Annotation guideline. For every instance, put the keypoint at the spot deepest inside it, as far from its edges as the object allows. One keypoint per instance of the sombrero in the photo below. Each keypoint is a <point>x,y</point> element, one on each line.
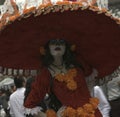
<point>95,32</point>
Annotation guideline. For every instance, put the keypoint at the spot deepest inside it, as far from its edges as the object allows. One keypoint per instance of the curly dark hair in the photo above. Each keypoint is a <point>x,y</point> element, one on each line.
<point>28,86</point>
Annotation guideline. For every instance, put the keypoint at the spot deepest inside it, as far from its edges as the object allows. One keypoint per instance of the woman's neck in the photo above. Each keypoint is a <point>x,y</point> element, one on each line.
<point>57,66</point>
<point>58,61</point>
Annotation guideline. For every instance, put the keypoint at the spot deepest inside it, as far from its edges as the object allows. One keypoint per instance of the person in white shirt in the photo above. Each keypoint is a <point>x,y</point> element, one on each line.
<point>104,105</point>
<point>113,93</point>
<point>96,91</point>
<point>17,98</point>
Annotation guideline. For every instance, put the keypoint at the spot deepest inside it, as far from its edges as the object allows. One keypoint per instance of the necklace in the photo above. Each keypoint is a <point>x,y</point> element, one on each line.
<point>57,69</point>
<point>60,67</point>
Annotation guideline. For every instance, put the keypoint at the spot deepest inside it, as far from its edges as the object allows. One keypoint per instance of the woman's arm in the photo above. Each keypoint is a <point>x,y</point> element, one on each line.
<point>38,91</point>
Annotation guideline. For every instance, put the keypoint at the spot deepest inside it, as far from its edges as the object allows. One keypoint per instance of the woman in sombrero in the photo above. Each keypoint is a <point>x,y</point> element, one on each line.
<point>72,98</point>
<point>67,75</point>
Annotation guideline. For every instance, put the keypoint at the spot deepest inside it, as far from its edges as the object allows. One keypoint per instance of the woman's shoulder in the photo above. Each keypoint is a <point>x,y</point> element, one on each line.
<point>79,70</point>
<point>43,72</point>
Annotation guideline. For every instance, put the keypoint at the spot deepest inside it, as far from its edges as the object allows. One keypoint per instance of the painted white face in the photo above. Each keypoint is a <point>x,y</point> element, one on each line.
<point>57,50</point>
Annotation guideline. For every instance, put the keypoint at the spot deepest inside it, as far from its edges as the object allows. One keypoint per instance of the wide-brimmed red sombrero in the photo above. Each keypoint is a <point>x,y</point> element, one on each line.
<point>95,32</point>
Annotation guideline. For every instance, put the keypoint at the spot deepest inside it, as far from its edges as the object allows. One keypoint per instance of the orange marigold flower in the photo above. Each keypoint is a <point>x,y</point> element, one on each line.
<point>73,47</point>
<point>72,85</point>
<point>12,18</point>
<point>51,113</point>
<point>86,111</point>
<point>91,115</point>
<point>42,50</point>
<point>69,112</point>
<point>80,112</point>
<point>60,77</point>
<point>68,78</point>
<point>88,108</point>
<point>72,72</point>
<point>94,102</point>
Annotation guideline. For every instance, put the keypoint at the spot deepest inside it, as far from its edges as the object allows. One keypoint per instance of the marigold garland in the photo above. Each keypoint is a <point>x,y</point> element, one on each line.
<point>94,102</point>
<point>51,113</point>
<point>68,78</point>
<point>69,112</point>
<point>73,48</point>
<point>88,110</point>
<point>42,50</point>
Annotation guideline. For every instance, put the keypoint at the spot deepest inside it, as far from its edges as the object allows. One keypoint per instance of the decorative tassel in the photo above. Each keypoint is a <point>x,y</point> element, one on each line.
<point>15,72</point>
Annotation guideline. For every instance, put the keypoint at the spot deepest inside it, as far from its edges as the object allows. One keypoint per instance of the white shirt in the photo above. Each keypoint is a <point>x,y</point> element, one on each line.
<point>113,88</point>
<point>96,91</point>
<point>104,105</point>
<point>16,103</point>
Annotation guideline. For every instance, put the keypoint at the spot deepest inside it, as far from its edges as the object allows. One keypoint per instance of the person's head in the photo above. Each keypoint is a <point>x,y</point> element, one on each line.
<point>59,48</point>
<point>19,81</point>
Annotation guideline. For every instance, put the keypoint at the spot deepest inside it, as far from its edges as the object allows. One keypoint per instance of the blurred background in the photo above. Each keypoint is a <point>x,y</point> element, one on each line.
<point>112,5</point>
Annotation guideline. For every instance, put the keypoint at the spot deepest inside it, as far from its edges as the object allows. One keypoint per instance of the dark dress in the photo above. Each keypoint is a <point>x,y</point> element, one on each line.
<point>75,98</point>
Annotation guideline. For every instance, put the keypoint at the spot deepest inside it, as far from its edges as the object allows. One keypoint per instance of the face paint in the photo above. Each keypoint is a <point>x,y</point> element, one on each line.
<point>57,47</point>
<point>57,42</point>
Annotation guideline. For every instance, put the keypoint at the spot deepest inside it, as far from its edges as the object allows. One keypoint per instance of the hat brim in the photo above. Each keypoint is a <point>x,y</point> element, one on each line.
<point>95,33</point>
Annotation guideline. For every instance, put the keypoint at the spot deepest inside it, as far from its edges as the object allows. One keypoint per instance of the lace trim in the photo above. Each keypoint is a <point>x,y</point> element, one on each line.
<point>33,111</point>
<point>91,81</point>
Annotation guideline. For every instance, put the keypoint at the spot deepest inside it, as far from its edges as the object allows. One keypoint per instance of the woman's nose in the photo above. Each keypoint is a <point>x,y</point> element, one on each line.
<point>58,43</point>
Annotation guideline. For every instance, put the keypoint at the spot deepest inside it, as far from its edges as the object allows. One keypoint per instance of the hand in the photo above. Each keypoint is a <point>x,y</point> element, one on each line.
<point>40,114</point>
<point>60,111</point>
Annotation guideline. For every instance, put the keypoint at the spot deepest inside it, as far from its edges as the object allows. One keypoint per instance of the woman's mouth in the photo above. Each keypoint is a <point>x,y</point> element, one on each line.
<point>57,48</point>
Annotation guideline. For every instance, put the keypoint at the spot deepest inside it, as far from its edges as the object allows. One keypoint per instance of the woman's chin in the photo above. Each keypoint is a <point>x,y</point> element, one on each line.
<point>59,54</point>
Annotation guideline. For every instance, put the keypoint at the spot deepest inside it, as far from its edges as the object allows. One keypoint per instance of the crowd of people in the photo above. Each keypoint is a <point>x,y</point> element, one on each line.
<point>4,102</point>
<point>11,103</point>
